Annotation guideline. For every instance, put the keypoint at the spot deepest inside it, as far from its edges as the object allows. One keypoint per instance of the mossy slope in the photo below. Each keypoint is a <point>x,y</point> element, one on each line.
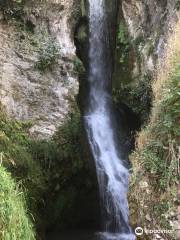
<point>50,174</point>
<point>21,181</point>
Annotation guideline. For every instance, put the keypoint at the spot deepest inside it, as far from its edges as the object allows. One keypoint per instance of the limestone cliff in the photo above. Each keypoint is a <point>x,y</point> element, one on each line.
<point>153,60</point>
<point>149,25</point>
<point>38,82</point>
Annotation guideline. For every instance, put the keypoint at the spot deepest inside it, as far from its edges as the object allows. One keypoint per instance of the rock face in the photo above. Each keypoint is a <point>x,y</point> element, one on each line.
<point>35,33</point>
<point>149,24</point>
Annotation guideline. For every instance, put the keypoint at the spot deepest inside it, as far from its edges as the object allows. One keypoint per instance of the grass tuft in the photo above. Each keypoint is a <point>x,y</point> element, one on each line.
<point>15,223</point>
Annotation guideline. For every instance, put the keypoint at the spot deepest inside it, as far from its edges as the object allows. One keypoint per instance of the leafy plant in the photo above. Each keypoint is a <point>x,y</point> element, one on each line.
<point>78,66</point>
<point>12,9</point>
<point>123,42</point>
<point>122,35</point>
<point>48,55</point>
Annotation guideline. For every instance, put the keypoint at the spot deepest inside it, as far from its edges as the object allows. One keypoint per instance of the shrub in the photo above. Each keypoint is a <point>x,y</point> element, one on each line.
<point>123,42</point>
<point>48,54</point>
<point>122,35</point>
<point>78,66</point>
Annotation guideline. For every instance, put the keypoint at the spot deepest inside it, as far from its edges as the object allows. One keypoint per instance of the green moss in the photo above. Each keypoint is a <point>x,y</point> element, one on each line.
<point>65,163</point>
<point>41,166</point>
<point>15,147</point>
<point>70,198</point>
<point>48,170</point>
<point>15,223</point>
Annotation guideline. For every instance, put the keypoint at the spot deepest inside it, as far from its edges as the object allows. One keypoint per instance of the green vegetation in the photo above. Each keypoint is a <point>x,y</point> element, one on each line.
<point>64,161</point>
<point>122,34</point>
<point>48,54</point>
<point>15,147</point>
<point>47,176</point>
<point>12,9</point>
<point>15,223</point>
<point>41,179</point>
<point>178,5</point>
<point>156,160</point>
<point>124,57</point>
<point>138,45</point>
<point>28,40</point>
<point>138,97</point>
<point>17,195</point>
<point>78,66</point>
<point>123,42</point>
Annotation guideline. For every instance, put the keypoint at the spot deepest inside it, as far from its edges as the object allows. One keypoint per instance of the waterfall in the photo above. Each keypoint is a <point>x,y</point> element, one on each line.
<point>112,172</point>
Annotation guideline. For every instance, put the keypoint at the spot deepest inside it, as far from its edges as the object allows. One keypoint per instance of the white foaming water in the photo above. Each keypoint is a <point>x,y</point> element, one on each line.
<point>111,171</point>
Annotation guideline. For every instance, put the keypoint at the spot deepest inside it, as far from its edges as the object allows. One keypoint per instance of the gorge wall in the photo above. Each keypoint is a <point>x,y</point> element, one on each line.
<point>38,81</point>
<point>149,33</point>
<point>149,24</point>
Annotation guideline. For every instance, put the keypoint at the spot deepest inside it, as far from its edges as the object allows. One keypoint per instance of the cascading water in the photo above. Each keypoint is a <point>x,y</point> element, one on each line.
<point>112,173</point>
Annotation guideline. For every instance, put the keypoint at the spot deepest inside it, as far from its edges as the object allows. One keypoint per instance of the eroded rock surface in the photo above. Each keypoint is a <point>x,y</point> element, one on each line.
<point>149,25</point>
<point>42,97</point>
